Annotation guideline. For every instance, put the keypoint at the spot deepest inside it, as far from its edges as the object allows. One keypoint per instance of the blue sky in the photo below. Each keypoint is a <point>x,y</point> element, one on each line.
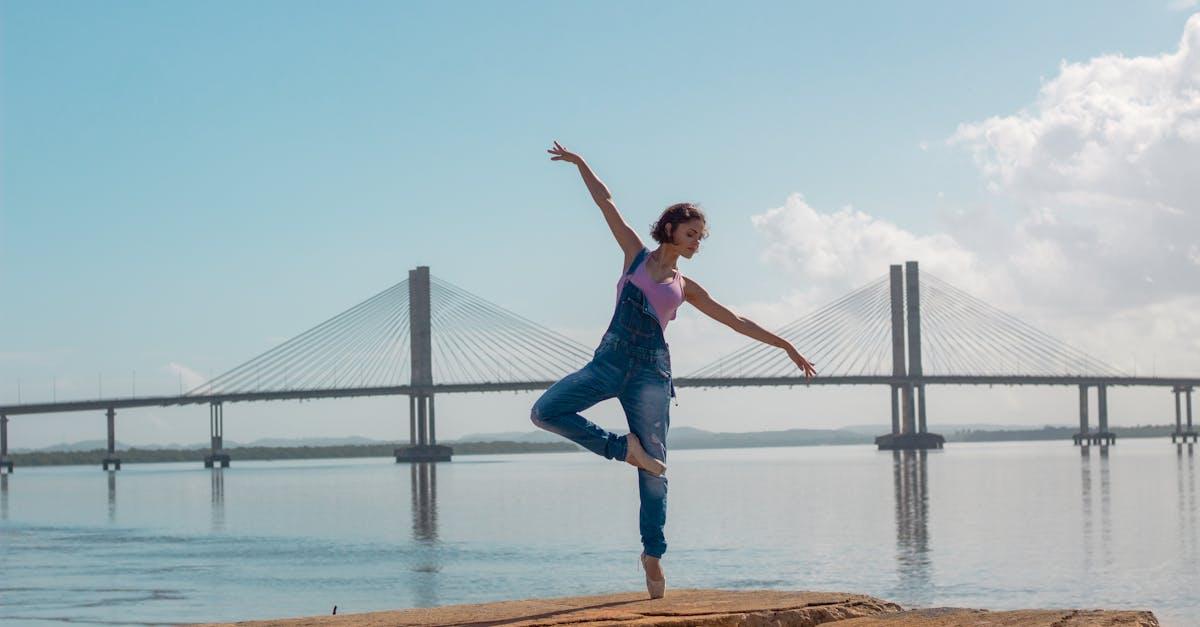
<point>191,183</point>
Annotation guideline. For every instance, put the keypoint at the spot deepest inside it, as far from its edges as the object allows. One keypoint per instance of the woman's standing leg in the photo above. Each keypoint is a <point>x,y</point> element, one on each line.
<point>557,410</point>
<point>646,400</point>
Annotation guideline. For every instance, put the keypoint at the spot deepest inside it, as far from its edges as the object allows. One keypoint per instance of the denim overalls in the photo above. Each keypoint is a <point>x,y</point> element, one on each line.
<point>633,364</point>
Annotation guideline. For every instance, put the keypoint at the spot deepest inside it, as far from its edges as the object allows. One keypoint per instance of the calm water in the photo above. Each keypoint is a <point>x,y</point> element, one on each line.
<point>999,526</point>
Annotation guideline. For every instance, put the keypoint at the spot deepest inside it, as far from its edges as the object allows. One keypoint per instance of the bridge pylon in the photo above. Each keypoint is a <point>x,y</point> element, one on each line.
<point>422,441</point>
<point>909,433</point>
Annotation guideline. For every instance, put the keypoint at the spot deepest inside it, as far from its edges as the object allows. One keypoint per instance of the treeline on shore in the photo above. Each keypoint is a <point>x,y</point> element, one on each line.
<point>247,453</point>
<point>689,441</point>
<point>1055,433</point>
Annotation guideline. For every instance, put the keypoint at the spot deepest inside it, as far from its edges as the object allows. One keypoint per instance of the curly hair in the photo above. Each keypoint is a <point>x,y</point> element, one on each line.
<point>677,214</point>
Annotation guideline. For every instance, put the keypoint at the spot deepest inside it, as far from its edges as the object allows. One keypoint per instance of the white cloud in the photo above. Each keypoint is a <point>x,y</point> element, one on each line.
<point>1103,168</point>
<point>1104,252</point>
<point>830,252</point>
<point>1183,5</point>
<point>190,377</point>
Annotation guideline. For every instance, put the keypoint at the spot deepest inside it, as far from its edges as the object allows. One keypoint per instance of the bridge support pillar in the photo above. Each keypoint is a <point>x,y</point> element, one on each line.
<point>1082,438</point>
<point>1179,431</point>
<point>423,446</point>
<point>1103,437</point>
<point>5,462</point>
<point>422,421</point>
<point>910,409</point>
<point>216,435</point>
<point>110,457</point>
<point>1190,431</point>
<point>921,408</point>
<point>412,420</point>
<point>895,409</point>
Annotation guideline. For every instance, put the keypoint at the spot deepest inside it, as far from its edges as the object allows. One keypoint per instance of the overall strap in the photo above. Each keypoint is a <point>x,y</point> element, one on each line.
<point>636,260</point>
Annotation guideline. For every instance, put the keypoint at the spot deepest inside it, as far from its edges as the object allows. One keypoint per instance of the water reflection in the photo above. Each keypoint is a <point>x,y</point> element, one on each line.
<point>218,498</point>
<point>425,584</point>
<point>1085,491</point>
<point>424,501</point>
<point>912,525</point>
<point>112,495</point>
<point>1088,507</point>
<point>1185,485</point>
<point>3,496</point>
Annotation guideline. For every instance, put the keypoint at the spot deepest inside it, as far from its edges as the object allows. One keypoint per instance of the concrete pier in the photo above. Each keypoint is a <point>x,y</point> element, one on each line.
<point>1081,438</point>
<point>422,436</point>
<point>216,432</point>
<point>6,464</point>
<point>110,457</point>
<point>423,446</point>
<point>1180,432</point>
<point>1102,436</point>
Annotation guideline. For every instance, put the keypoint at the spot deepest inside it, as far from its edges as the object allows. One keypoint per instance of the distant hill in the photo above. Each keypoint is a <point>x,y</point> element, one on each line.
<point>509,436</point>
<point>680,438</point>
<point>691,437</point>
<point>943,428</point>
<point>95,445</point>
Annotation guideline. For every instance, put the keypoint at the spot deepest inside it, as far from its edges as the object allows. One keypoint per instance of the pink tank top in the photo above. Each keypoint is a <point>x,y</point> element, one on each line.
<point>664,298</point>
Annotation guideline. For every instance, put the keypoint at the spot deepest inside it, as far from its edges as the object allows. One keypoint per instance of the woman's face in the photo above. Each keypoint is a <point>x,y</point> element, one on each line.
<point>687,235</point>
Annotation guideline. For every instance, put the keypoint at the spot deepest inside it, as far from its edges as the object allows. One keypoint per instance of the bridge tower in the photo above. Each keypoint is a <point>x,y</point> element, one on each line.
<point>911,433</point>
<point>422,440</point>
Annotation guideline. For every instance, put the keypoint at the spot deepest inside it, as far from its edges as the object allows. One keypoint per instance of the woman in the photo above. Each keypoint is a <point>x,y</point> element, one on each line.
<point>632,361</point>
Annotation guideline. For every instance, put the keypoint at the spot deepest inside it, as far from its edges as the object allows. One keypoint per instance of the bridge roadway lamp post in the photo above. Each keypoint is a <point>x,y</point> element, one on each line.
<point>422,439</point>
<point>909,433</point>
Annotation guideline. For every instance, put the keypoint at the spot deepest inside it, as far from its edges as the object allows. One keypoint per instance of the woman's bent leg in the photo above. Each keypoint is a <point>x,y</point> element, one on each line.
<point>557,410</point>
<point>646,400</point>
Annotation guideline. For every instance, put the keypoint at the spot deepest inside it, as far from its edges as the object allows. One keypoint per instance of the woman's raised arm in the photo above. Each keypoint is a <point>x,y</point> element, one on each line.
<point>626,237</point>
<point>700,299</point>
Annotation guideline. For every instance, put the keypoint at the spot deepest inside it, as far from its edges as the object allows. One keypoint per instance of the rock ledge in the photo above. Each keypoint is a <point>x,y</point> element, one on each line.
<point>723,608</point>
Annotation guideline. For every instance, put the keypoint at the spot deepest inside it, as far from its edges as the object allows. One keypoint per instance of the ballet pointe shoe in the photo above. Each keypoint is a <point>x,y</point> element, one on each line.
<point>637,456</point>
<point>656,587</point>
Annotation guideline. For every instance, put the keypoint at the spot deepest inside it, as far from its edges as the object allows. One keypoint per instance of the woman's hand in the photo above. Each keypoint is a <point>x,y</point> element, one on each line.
<point>804,364</point>
<point>562,154</point>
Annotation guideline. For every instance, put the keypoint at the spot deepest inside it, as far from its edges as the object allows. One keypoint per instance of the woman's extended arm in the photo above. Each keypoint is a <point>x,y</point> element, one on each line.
<point>626,237</point>
<point>699,298</point>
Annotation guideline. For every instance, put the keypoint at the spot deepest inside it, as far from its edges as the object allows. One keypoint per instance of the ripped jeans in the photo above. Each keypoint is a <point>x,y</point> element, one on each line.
<point>641,378</point>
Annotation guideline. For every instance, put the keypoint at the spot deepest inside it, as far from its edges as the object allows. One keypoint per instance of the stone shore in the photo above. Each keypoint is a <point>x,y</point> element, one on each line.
<point>724,608</point>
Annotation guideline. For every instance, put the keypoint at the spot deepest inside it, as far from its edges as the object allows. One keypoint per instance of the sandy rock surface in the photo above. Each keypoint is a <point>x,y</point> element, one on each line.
<point>725,608</point>
<point>956,616</point>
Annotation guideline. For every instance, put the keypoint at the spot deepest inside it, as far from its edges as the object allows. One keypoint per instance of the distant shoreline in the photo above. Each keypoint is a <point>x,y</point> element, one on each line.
<point>690,442</point>
<point>272,453</point>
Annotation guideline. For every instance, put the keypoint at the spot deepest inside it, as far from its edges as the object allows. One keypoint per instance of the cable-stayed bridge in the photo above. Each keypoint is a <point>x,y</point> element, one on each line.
<point>425,336</point>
